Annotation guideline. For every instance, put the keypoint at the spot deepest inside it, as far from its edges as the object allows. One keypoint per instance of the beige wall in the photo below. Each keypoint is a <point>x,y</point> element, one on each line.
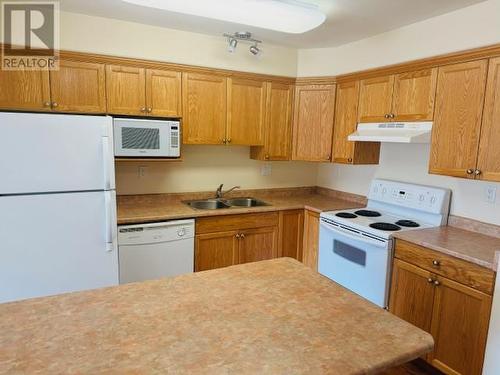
<point>205,167</point>
<point>127,39</point>
<point>467,28</point>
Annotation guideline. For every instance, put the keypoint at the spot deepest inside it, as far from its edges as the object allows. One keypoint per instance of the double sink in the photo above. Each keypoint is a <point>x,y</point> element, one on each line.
<point>220,203</point>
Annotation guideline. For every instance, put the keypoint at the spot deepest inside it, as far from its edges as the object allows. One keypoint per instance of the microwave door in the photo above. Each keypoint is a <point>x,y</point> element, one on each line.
<point>358,263</point>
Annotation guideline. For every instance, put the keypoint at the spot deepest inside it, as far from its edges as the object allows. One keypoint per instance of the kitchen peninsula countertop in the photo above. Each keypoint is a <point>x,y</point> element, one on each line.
<point>269,317</point>
<point>135,209</point>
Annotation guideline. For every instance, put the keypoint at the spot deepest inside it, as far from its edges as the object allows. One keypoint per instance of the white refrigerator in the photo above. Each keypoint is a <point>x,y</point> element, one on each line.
<point>57,204</point>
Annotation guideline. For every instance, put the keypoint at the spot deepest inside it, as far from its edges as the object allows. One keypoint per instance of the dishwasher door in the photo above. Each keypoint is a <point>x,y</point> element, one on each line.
<point>153,251</point>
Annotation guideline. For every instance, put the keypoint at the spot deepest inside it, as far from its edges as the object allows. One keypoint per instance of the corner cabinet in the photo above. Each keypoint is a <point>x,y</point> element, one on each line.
<point>346,115</point>
<point>457,122</point>
<point>447,297</point>
<point>311,239</point>
<point>313,122</point>
<point>402,97</point>
<point>278,125</point>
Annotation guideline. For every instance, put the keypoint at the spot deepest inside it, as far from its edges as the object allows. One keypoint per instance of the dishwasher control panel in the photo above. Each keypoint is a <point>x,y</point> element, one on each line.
<point>155,232</point>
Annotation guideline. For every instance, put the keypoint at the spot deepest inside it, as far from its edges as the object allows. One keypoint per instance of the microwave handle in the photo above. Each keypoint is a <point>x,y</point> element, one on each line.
<point>347,234</point>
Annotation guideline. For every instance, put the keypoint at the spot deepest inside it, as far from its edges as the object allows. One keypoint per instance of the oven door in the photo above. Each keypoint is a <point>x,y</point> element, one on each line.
<point>356,261</point>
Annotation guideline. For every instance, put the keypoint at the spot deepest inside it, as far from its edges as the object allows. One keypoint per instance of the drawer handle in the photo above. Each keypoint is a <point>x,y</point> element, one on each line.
<point>430,281</point>
<point>437,283</point>
<point>436,263</point>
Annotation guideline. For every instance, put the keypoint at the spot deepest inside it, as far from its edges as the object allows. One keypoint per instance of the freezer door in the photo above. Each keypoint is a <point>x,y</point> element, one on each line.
<point>57,243</point>
<point>55,153</point>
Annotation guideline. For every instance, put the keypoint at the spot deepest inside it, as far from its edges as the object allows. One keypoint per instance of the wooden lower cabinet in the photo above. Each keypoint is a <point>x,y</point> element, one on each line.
<point>291,234</point>
<point>311,239</point>
<point>456,315</point>
<point>215,250</point>
<point>258,244</point>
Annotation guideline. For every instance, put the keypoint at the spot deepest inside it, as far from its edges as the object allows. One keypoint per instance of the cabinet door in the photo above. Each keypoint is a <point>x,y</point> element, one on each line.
<point>258,244</point>
<point>215,250</point>
<point>246,111</point>
<point>125,89</point>
<point>459,327</point>
<point>489,152</point>
<point>204,108</point>
<point>412,294</point>
<point>311,239</point>
<point>414,95</point>
<point>278,126</point>
<point>313,122</point>
<point>78,87</point>
<point>457,118</point>
<point>163,93</point>
<point>375,99</point>
<point>25,90</point>
<point>346,121</point>
<point>291,234</point>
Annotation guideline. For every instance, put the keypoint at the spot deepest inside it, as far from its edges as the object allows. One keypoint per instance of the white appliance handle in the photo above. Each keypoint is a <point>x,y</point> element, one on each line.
<point>106,162</point>
<point>111,226</point>
<point>343,232</point>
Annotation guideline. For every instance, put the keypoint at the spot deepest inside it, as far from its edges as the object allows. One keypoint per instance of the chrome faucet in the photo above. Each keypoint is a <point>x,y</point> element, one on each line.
<point>219,193</point>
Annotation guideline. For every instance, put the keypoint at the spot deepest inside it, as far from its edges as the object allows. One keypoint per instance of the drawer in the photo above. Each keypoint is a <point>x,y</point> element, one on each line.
<point>236,222</point>
<point>458,270</point>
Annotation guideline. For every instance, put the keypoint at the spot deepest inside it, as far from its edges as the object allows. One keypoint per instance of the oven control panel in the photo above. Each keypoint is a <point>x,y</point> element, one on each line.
<point>424,198</point>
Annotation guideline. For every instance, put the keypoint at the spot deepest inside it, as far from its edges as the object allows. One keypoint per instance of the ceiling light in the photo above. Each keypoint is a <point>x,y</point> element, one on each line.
<point>254,50</point>
<point>289,16</point>
<point>232,45</point>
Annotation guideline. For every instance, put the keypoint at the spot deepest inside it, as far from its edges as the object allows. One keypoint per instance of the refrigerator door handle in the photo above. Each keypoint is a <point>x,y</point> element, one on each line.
<point>111,225</point>
<point>107,166</point>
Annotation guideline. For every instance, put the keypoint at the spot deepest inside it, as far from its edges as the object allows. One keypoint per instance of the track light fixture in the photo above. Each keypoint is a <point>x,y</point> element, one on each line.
<point>243,36</point>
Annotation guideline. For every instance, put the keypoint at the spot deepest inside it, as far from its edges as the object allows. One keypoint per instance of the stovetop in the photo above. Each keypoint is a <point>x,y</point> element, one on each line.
<point>376,222</point>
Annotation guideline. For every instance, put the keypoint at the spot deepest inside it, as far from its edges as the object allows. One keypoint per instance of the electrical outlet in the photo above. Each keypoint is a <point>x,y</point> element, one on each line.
<point>266,170</point>
<point>491,194</point>
<point>141,171</point>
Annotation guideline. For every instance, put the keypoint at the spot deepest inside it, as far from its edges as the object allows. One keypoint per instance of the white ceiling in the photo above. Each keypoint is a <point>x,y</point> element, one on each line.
<point>347,20</point>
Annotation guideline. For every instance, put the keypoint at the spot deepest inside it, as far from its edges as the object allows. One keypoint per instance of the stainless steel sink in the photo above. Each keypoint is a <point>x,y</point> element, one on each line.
<point>217,204</point>
<point>245,202</point>
<point>207,204</point>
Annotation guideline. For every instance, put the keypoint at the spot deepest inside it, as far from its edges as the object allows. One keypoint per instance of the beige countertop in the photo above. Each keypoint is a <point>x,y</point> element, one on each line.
<point>136,209</point>
<point>270,317</point>
<point>463,244</point>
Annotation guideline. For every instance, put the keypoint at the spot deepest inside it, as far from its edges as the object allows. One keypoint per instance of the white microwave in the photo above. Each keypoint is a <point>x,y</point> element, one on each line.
<point>146,138</point>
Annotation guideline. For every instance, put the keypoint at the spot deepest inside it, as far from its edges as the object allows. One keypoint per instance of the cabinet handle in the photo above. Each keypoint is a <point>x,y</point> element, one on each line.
<point>477,172</point>
<point>349,160</point>
<point>327,157</point>
<point>387,115</point>
<point>224,140</point>
<point>436,263</point>
<point>229,140</point>
<point>242,236</point>
<point>266,157</point>
<point>470,171</point>
<point>392,115</point>
<point>55,104</point>
<point>143,109</point>
<point>237,235</point>
<point>437,283</point>
<point>150,109</point>
<point>46,104</point>
<point>430,281</point>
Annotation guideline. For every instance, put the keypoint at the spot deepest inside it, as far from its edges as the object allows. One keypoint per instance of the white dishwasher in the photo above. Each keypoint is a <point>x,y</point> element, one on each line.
<point>152,251</point>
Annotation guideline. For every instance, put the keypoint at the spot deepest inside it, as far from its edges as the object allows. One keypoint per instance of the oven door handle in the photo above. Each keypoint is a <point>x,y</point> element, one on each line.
<point>343,232</point>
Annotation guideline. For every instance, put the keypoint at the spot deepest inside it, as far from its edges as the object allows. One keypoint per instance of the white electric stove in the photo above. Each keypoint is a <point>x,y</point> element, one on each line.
<point>356,246</point>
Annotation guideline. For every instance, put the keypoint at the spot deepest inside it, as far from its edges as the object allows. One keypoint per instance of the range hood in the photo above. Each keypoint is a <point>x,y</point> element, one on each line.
<point>396,132</point>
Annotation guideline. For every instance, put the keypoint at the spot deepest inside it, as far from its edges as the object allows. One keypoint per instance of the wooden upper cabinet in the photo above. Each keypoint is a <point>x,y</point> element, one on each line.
<point>215,250</point>
<point>278,124</point>
<point>125,89</point>
<point>245,111</point>
<point>414,95</point>
<point>78,87</point>
<point>25,90</point>
<point>375,99</point>
<point>457,118</point>
<point>163,93</point>
<point>412,295</point>
<point>313,122</point>
<point>204,108</point>
<point>258,244</point>
<point>346,116</point>
<point>489,150</point>
<point>459,326</point>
